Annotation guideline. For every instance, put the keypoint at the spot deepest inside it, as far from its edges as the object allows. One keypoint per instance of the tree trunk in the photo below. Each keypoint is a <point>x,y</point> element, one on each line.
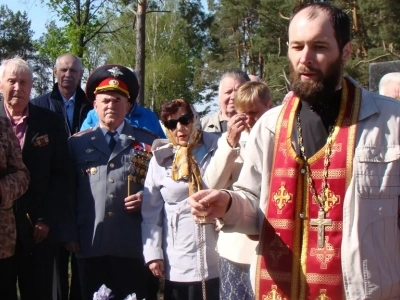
<point>140,47</point>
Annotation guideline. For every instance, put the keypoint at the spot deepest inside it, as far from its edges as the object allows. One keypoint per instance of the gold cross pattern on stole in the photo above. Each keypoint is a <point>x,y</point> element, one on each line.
<point>273,294</point>
<point>321,222</point>
<point>281,197</point>
<point>326,254</point>
<point>323,295</point>
<point>330,199</point>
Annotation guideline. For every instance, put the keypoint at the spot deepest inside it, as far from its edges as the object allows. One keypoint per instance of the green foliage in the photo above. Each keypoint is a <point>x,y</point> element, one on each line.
<point>52,43</point>
<point>252,36</point>
<point>49,46</point>
<point>84,21</point>
<point>188,47</point>
<point>15,34</point>
<point>171,61</point>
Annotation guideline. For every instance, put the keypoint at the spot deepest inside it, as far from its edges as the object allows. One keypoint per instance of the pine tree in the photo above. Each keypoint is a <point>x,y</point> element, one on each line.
<point>15,34</point>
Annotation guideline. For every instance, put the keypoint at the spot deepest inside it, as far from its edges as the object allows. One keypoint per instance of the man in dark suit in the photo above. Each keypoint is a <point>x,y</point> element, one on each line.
<point>69,100</point>
<point>110,165</point>
<point>43,208</point>
<point>67,97</point>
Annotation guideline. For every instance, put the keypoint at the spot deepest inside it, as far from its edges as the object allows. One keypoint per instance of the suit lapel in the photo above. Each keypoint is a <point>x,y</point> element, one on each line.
<point>125,140</point>
<point>31,134</point>
<point>32,129</point>
<point>98,140</point>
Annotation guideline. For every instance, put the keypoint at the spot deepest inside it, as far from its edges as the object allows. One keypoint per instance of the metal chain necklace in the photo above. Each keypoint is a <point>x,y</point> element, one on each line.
<point>320,199</point>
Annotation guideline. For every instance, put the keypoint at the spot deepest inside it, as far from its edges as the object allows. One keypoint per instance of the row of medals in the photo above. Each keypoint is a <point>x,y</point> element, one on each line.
<point>139,165</point>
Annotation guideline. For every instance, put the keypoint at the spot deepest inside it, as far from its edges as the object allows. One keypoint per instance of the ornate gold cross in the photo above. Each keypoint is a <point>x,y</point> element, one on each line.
<point>321,222</point>
<point>281,197</point>
<point>273,294</point>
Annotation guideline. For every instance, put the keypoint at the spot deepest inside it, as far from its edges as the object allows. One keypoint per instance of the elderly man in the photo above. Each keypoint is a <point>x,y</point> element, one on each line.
<point>67,97</point>
<point>138,116</point>
<point>228,84</point>
<point>320,180</point>
<point>389,85</point>
<point>43,208</point>
<point>110,164</point>
<point>69,100</point>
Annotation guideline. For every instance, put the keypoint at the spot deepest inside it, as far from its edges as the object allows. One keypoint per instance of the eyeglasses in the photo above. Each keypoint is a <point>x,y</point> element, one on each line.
<point>184,120</point>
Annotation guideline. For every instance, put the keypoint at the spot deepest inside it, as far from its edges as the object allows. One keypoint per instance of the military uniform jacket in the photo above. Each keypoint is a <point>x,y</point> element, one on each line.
<point>103,226</point>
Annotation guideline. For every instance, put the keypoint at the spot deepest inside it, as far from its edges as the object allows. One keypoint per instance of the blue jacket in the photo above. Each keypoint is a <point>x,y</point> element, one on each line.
<point>139,117</point>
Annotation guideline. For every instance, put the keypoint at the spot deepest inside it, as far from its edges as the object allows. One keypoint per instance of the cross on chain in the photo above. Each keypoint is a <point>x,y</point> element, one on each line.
<point>321,222</point>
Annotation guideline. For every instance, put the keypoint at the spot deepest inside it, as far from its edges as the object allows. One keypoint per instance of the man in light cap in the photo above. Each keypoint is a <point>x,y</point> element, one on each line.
<point>138,116</point>
<point>110,162</point>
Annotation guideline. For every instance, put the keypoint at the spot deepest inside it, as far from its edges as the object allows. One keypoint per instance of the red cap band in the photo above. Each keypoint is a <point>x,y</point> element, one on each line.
<point>112,84</point>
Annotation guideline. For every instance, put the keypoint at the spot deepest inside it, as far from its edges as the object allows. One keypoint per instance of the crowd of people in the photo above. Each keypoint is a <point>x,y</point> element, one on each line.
<point>297,201</point>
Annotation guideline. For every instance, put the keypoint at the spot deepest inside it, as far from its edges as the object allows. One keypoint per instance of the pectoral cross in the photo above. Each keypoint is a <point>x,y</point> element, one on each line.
<point>321,222</point>
<point>130,178</point>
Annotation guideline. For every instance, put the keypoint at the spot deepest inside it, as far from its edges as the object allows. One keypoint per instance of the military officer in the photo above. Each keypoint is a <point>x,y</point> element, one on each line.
<point>110,163</point>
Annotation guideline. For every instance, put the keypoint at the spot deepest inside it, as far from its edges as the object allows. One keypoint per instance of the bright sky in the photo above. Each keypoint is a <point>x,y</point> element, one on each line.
<point>37,12</point>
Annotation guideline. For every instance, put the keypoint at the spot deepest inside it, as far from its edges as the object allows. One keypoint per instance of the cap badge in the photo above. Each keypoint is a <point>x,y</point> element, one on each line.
<point>115,71</point>
<point>113,82</point>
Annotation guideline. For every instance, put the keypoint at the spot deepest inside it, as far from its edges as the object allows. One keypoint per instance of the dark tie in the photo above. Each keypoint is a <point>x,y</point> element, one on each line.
<point>112,141</point>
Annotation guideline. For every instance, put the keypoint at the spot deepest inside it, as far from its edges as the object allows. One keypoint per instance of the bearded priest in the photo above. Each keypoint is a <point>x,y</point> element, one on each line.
<point>320,181</point>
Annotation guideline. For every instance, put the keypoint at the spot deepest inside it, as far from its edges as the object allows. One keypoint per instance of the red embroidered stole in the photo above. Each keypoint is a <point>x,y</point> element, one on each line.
<point>290,264</point>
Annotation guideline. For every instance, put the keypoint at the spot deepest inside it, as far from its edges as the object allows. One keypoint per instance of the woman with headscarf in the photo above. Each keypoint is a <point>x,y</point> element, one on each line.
<point>176,248</point>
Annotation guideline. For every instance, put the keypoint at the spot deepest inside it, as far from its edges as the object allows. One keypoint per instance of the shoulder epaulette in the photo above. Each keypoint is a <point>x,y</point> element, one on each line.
<point>79,133</point>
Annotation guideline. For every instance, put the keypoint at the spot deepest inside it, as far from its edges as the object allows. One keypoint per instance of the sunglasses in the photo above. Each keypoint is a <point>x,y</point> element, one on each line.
<point>184,120</point>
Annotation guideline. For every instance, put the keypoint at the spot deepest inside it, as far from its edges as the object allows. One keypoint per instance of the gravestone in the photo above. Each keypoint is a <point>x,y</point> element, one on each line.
<point>377,70</point>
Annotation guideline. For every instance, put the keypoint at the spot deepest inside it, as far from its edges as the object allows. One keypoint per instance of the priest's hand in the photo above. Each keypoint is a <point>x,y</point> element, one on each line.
<point>235,126</point>
<point>208,205</point>
<point>157,268</point>
<point>40,232</point>
<point>133,203</point>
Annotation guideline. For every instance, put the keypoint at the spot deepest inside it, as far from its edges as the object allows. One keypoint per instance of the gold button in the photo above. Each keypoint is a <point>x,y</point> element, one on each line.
<point>111,180</point>
<point>111,196</point>
<point>111,165</point>
<point>110,213</point>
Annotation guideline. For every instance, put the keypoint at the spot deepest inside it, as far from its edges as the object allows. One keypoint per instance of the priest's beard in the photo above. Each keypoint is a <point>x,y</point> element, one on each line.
<point>316,91</point>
